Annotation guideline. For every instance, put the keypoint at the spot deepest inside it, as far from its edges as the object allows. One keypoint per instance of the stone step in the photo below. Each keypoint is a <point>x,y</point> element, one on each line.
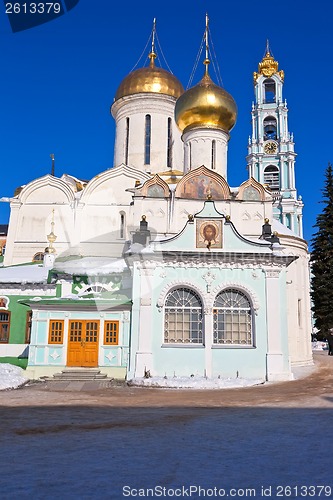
<point>77,375</point>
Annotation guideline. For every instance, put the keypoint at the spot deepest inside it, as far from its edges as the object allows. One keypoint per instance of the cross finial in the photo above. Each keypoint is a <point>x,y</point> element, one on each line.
<point>207,61</point>
<point>152,55</point>
<point>267,47</point>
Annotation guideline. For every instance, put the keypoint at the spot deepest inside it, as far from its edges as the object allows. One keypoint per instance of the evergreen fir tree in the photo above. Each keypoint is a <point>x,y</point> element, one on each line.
<point>322,261</point>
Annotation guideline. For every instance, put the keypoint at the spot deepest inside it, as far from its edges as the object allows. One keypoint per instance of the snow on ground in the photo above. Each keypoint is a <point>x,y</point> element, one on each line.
<point>11,376</point>
<point>195,382</point>
<point>319,346</point>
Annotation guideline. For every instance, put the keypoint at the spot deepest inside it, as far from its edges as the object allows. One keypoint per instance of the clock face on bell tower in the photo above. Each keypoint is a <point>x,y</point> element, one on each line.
<point>270,147</point>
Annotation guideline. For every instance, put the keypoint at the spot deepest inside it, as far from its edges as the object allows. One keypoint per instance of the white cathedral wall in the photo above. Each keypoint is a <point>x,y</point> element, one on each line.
<point>298,302</point>
<point>31,224</point>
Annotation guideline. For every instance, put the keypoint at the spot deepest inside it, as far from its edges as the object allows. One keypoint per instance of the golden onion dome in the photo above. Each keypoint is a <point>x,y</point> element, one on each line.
<point>150,79</point>
<point>206,105</point>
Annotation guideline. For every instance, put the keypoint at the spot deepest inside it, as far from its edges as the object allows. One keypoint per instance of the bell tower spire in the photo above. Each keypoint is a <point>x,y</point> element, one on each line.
<point>271,153</point>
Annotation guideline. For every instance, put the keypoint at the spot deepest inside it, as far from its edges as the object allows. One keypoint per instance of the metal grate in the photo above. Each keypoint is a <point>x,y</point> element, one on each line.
<point>183,317</point>
<point>232,318</point>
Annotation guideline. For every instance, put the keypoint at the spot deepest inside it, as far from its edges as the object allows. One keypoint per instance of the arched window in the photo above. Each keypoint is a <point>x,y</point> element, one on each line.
<point>272,177</point>
<point>270,128</point>
<point>147,139</point>
<point>213,162</point>
<point>170,144</point>
<point>4,327</point>
<point>127,140</point>
<point>288,221</point>
<point>269,87</point>
<point>38,257</point>
<point>232,316</point>
<point>183,317</point>
<point>122,225</point>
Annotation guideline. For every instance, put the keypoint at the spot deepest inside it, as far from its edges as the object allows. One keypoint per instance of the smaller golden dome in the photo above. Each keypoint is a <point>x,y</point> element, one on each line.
<point>206,105</point>
<point>150,79</point>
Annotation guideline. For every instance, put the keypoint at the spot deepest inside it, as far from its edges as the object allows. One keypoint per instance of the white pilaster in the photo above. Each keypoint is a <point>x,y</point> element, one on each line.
<point>275,356</point>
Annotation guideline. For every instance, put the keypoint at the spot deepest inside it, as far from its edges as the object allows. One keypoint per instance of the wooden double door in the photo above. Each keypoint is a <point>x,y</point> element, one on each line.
<point>83,343</point>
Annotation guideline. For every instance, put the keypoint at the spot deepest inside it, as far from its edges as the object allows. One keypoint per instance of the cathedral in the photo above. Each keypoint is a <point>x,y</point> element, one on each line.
<point>157,267</point>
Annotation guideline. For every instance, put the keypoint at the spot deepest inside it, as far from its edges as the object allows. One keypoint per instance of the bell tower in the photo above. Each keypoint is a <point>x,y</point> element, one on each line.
<point>271,154</point>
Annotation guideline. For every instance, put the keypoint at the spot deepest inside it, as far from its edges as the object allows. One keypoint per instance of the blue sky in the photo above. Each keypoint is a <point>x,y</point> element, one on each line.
<point>58,81</point>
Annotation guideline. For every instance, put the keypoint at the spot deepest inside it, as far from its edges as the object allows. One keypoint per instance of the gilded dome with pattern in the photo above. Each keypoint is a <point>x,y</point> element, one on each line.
<point>150,79</point>
<point>206,105</point>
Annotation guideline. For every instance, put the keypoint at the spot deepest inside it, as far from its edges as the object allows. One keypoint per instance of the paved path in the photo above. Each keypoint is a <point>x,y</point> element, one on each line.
<point>85,441</point>
<point>313,389</point>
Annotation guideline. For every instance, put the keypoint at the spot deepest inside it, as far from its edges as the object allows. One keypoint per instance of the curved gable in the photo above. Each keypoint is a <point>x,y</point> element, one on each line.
<point>251,190</point>
<point>112,182</point>
<point>47,189</point>
<point>155,188</point>
<point>198,184</point>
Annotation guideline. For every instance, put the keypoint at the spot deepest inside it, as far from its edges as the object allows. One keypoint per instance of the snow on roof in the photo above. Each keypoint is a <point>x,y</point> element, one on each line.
<point>90,265</point>
<point>282,229</point>
<point>27,273</point>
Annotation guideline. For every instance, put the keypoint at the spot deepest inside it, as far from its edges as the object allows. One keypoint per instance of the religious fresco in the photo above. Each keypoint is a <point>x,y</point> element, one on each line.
<point>4,301</point>
<point>209,234</point>
<point>200,188</point>
<point>155,191</point>
<point>251,194</point>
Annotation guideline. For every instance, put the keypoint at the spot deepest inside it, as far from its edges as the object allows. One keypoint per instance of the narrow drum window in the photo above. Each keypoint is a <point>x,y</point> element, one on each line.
<point>111,332</point>
<point>213,162</point>
<point>170,144</point>
<point>122,226</point>
<point>147,139</point>
<point>56,332</point>
<point>127,140</point>
<point>4,327</point>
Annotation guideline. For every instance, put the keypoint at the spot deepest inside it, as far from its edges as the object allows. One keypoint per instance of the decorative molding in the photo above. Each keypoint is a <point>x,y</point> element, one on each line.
<point>209,278</point>
<point>272,273</point>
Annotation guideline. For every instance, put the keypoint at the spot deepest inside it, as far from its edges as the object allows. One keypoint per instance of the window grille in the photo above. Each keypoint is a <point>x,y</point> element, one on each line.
<point>232,319</point>
<point>183,321</point>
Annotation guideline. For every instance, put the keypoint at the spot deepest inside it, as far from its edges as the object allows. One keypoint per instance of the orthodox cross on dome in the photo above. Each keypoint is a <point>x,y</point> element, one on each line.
<point>152,56</point>
<point>206,61</point>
